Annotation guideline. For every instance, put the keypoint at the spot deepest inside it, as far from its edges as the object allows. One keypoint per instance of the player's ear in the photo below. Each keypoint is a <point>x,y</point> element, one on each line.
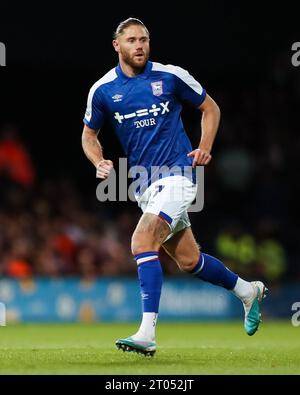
<point>115,44</point>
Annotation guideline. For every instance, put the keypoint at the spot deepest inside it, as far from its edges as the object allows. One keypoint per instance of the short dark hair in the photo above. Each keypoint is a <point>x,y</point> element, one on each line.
<point>128,22</point>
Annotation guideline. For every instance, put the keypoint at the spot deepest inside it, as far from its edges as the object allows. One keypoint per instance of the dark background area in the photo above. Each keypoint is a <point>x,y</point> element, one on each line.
<point>240,53</point>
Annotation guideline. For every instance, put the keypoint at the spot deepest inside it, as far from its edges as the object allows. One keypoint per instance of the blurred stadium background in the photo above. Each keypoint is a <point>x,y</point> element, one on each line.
<point>64,256</point>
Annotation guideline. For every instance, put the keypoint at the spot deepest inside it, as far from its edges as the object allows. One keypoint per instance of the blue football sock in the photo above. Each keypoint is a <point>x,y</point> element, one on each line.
<point>151,278</point>
<point>212,270</point>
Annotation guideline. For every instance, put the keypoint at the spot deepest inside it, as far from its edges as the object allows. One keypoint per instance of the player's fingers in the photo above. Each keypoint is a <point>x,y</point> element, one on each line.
<point>204,158</point>
<point>101,173</point>
<point>200,156</point>
<point>207,160</point>
<point>193,153</point>
<point>105,162</point>
<point>104,170</point>
<point>106,167</point>
<point>196,158</point>
<point>102,166</point>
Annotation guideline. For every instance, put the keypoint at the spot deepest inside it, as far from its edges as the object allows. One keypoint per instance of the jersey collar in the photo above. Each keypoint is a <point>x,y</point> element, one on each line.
<point>125,78</point>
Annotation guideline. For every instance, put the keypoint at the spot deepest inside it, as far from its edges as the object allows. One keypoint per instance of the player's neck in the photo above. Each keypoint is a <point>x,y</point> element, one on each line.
<point>129,70</point>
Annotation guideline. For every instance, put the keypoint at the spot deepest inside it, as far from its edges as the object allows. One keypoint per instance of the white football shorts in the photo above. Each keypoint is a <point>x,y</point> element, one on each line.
<point>170,198</point>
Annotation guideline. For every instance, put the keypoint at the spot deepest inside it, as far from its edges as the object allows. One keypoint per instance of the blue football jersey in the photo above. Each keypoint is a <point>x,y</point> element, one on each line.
<point>145,112</point>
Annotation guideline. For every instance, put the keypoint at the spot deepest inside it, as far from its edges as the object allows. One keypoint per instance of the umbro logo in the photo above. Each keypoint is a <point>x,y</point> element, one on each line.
<point>117,98</point>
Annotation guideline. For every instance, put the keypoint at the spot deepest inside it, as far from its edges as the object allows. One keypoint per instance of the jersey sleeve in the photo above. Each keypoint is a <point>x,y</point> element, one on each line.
<point>188,89</point>
<point>94,114</point>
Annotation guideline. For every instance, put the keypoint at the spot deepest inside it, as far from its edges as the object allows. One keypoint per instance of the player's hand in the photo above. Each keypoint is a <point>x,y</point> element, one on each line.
<point>200,157</point>
<point>103,168</point>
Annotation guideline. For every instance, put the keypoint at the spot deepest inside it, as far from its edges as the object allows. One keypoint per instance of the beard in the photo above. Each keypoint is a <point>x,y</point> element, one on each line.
<point>136,62</point>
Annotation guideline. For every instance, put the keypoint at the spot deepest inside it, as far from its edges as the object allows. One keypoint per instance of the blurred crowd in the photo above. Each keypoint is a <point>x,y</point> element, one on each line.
<point>49,233</point>
<point>50,228</point>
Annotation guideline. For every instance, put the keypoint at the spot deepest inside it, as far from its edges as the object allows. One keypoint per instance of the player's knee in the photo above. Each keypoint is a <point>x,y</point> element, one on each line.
<point>187,264</point>
<point>143,243</point>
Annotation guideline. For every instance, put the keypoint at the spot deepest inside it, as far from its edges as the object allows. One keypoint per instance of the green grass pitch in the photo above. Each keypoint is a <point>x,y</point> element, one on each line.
<point>183,348</point>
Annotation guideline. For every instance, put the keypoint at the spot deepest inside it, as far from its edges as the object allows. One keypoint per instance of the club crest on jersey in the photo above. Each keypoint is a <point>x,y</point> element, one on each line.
<point>157,88</point>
